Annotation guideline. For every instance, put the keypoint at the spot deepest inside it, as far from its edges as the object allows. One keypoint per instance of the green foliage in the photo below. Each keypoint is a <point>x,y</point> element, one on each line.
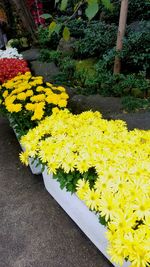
<point>131,84</point>
<point>21,123</point>
<point>107,5</point>
<point>69,180</point>
<point>66,34</point>
<point>102,221</point>
<point>67,66</point>
<point>92,6</point>
<point>63,4</point>
<point>137,10</point>
<point>103,81</point>
<point>120,85</point>
<point>84,72</point>
<point>47,55</point>
<point>47,40</point>
<point>133,104</point>
<point>77,27</point>
<point>91,9</point>
<point>46,16</point>
<point>98,39</point>
<point>136,49</point>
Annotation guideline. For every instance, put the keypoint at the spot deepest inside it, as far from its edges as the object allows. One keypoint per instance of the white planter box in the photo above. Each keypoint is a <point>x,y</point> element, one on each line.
<point>79,213</point>
<point>33,164</point>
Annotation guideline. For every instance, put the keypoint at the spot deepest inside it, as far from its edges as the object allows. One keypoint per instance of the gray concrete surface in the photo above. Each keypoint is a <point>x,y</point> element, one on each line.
<point>34,230</point>
<point>46,70</point>
<point>31,54</point>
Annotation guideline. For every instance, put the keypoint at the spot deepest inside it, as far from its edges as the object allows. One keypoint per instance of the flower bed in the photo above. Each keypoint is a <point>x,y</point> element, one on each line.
<point>79,213</point>
<point>26,99</point>
<point>108,168</point>
<point>10,53</point>
<point>11,67</point>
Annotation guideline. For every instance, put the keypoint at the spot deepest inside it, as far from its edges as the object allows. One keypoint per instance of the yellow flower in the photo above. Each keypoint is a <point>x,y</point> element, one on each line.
<point>120,158</point>
<point>29,93</point>
<point>38,112</point>
<point>5,94</point>
<point>39,88</point>
<point>14,108</point>
<point>37,98</point>
<point>82,188</point>
<point>21,96</point>
<point>49,84</point>
<point>92,199</point>
<point>52,99</point>
<point>55,110</point>
<point>62,103</point>
<point>30,106</point>
<point>64,96</point>
<point>60,88</point>
<point>24,158</point>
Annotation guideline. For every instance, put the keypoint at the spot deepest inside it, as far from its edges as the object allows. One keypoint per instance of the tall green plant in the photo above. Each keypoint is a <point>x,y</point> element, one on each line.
<point>92,7</point>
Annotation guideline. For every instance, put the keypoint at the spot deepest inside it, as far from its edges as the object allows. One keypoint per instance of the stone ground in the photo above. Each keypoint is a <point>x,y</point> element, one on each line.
<point>34,230</point>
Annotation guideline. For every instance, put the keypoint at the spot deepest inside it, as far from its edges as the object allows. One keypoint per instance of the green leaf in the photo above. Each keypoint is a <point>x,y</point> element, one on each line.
<point>63,4</point>
<point>52,27</point>
<point>46,16</point>
<point>66,34</point>
<point>102,220</point>
<point>58,28</point>
<point>107,4</point>
<point>92,9</point>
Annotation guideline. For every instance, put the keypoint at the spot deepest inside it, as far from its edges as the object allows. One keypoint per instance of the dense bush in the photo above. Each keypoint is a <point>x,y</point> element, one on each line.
<point>77,27</point>
<point>47,55</point>
<point>136,49</point>
<point>137,10</point>
<point>46,40</point>
<point>98,39</point>
<point>103,81</point>
<point>131,103</point>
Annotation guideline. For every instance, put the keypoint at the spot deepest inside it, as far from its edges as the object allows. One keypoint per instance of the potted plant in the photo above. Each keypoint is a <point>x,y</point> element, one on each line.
<point>104,165</point>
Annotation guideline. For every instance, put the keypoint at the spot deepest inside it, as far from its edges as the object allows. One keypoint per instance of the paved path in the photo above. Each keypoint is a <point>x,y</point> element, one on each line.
<point>34,230</point>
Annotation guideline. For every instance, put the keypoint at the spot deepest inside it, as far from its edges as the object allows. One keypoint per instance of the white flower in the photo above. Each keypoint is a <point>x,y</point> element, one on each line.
<point>10,53</point>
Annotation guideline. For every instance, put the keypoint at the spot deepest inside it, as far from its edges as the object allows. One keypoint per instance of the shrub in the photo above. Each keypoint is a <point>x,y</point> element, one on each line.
<point>99,38</point>
<point>77,27</point>
<point>103,81</point>
<point>67,66</point>
<point>137,10</point>
<point>131,103</point>
<point>47,55</point>
<point>47,41</point>
<point>136,49</point>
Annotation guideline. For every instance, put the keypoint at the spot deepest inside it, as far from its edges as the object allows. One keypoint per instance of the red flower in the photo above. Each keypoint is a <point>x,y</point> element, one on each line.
<point>10,67</point>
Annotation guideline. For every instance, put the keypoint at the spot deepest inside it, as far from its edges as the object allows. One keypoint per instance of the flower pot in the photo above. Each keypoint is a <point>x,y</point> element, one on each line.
<point>79,213</point>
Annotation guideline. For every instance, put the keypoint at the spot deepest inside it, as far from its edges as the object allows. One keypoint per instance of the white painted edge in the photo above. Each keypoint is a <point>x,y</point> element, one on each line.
<point>80,214</point>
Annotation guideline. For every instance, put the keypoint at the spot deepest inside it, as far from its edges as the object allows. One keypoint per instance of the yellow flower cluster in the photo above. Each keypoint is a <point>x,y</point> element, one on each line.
<point>28,93</point>
<point>121,160</point>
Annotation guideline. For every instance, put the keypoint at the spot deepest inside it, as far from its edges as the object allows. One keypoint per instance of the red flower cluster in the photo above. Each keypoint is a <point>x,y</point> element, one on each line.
<point>11,67</point>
